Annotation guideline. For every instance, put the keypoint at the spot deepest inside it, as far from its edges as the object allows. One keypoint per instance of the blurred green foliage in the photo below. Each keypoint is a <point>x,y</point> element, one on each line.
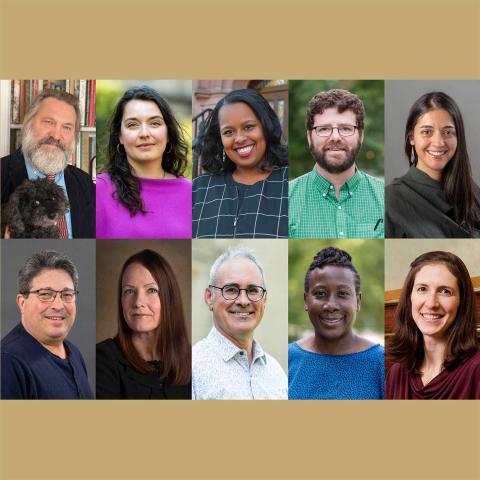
<point>368,259</point>
<point>106,98</point>
<point>371,92</point>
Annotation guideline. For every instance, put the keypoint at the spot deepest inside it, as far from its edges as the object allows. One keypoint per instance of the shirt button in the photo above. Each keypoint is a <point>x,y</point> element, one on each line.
<point>351,193</point>
<point>339,207</point>
<point>324,194</point>
<point>341,234</point>
<point>331,186</point>
<point>241,353</point>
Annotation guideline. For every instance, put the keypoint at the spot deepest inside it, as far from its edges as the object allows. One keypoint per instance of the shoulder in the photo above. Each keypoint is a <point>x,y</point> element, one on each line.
<point>18,343</point>
<point>78,174</point>
<point>376,183</point>
<point>206,180</point>
<point>14,158</point>
<point>274,365</point>
<point>73,350</point>
<point>298,182</point>
<point>280,173</point>
<point>104,184</point>
<point>108,349</point>
<point>377,353</point>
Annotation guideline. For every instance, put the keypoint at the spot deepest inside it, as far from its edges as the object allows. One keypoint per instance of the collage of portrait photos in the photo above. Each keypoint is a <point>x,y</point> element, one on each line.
<point>240,239</point>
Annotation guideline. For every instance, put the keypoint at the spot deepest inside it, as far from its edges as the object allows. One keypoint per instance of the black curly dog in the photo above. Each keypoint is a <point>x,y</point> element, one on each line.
<point>34,209</point>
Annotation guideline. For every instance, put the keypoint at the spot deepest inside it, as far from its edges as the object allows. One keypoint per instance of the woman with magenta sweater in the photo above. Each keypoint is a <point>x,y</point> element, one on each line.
<point>143,194</point>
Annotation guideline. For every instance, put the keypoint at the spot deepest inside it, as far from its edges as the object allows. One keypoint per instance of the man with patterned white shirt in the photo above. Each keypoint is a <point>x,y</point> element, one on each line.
<point>229,363</point>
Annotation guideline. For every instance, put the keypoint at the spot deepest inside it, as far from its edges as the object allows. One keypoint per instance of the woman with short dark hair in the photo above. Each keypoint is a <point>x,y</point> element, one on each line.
<point>244,193</point>
<point>434,347</point>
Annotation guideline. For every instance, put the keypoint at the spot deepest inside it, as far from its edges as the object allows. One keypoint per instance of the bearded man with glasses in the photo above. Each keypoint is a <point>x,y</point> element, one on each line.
<point>229,363</point>
<point>37,361</point>
<point>336,199</point>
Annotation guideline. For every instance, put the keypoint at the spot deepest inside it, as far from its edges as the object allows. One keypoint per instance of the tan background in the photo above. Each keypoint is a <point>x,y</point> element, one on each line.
<point>112,254</point>
<point>225,38</point>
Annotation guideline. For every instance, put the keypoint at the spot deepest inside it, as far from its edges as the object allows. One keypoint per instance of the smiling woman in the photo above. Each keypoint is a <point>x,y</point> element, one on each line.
<point>437,198</point>
<point>434,344</point>
<point>144,194</point>
<point>245,191</point>
<point>150,357</point>
<point>334,363</point>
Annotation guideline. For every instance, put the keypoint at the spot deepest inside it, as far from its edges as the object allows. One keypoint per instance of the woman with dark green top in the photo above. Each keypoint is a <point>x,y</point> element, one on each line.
<point>437,197</point>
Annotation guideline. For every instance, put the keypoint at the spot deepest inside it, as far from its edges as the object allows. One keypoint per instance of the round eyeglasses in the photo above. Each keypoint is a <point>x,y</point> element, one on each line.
<point>343,130</point>
<point>49,295</point>
<point>232,292</point>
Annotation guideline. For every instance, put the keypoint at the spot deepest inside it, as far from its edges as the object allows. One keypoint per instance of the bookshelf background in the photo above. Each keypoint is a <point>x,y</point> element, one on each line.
<point>15,98</point>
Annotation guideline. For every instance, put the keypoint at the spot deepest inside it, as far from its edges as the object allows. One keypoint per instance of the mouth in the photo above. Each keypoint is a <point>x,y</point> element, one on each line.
<point>431,317</point>
<point>145,146</point>
<point>55,318</point>
<point>332,319</point>
<point>245,152</point>
<point>437,154</point>
<point>141,315</point>
<point>241,315</point>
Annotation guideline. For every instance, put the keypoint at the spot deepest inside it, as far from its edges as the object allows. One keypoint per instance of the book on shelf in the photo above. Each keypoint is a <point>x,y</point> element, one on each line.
<point>24,91</point>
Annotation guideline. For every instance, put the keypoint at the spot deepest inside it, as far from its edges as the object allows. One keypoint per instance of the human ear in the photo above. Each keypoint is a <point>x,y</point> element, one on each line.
<point>20,302</point>
<point>359,301</point>
<point>207,296</point>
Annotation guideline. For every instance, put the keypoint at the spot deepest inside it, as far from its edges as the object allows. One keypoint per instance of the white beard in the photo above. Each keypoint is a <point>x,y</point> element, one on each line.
<point>47,160</point>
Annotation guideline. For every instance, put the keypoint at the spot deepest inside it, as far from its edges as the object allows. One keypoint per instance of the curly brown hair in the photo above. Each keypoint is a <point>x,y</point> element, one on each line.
<point>337,98</point>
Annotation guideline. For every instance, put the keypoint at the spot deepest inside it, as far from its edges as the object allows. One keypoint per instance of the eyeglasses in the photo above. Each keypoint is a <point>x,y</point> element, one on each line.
<point>232,292</point>
<point>49,295</point>
<point>343,130</point>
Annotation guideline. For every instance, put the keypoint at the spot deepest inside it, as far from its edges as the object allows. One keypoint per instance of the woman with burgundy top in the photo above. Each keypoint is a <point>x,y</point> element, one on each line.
<point>144,195</point>
<point>435,345</point>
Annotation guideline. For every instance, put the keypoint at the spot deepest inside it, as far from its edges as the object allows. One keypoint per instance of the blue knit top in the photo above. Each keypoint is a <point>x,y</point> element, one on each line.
<point>355,376</point>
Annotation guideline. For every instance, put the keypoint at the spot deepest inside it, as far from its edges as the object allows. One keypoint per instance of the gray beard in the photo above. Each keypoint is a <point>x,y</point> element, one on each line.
<point>46,160</point>
<point>322,161</point>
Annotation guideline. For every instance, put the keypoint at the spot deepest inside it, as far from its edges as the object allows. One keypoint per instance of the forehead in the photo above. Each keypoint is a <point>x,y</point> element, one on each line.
<point>241,271</point>
<point>52,107</point>
<point>57,279</point>
<point>233,113</point>
<point>141,109</point>
<point>332,276</point>
<point>137,273</point>
<point>437,117</point>
<point>332,116</point>
<point>436,274</point>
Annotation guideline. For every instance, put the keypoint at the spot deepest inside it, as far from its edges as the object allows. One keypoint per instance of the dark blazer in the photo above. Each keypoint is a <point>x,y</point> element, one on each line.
<point>117,379</point>
<point>80,192</point>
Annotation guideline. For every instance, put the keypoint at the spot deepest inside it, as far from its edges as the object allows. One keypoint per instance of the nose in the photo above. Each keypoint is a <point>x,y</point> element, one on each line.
<point>437,138</point>
<point>330,304</point>
<point>139,300</point>
<point>240,136</point>
<point>242,299</point>
<point>144,130</point>
<point>335,134</point>
<point>57,303</point>
<point>431,301</point>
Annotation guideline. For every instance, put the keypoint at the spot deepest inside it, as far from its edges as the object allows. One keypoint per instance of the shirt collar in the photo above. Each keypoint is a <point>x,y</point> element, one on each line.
<point>229,350</point>
<point>324,186</point>
<point>33,172</point>
<point>421,177</point>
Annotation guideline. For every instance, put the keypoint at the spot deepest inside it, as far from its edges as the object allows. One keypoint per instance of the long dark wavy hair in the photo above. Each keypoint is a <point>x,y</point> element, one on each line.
<point>457,176</point>
<point>209,145</point>
<point>174,159</point>
<point>172,339</point>
<point>406,346</point>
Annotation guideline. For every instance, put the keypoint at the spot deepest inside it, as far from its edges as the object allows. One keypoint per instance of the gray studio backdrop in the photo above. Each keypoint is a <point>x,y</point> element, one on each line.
<point>82,253</point>
<point>400,96</point>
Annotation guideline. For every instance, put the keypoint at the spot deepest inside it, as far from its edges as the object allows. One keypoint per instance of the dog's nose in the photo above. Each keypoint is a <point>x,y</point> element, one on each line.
<point>51,215</point>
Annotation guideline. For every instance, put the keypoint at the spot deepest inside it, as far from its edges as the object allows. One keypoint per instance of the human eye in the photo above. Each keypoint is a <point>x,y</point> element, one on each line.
<point>127,291</point>
<point>426,132</point>
<point>47,121</point>
<point>446,292</point>
<point>156,123</point>
<point>131,124</point>
<point>230,290</point>
<point>449,132</point>
<point>152,290</point>
<point>324,130</point>
<point>45,294</point>
<point>68,295</point>
<point>319,293</point>
<point>67,128</point>
<point>228,132</point>
<point>343,293</point>
<point>249,126</point>
<point>421,289</point>
<point>346,129</point>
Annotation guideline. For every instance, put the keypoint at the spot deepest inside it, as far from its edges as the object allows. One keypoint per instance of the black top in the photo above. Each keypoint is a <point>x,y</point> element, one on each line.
<point>416,206</point>
<point>116,378</point>
<point>80,192</point>
<point>260,212</point>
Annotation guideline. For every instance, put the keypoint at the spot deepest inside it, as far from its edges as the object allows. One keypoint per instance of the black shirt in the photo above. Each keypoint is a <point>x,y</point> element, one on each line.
<point>116,378</point>
<point>416,206</point>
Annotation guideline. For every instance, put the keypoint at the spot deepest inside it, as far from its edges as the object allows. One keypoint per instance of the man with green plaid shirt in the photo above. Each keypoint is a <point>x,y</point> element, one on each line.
<point>335,199</point>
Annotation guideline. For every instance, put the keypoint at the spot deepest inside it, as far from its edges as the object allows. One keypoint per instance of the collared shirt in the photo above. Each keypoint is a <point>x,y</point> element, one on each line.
<point>220,371</point>
<point>34,174</point>
<point>315,211</point>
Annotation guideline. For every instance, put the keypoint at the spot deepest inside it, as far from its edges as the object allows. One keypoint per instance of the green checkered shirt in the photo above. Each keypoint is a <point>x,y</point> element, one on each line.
<point>315,212</point>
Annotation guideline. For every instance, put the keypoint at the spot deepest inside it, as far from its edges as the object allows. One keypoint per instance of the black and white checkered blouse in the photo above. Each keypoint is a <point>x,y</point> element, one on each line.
<point>263,212</point>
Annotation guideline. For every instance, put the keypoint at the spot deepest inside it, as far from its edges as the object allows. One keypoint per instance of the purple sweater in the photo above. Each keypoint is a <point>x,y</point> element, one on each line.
<point>168,203</point>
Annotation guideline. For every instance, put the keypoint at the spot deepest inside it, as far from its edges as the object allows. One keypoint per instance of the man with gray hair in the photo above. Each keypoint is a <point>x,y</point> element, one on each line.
<point>49,134</point>
<point>37,361</point>
<point>229,363</point>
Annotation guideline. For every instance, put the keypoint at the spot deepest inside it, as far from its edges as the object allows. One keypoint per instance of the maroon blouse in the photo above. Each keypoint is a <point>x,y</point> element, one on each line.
<point>461,383</point>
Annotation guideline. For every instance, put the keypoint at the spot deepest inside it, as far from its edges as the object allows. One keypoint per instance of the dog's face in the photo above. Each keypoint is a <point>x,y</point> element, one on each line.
<point>42,203</point>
